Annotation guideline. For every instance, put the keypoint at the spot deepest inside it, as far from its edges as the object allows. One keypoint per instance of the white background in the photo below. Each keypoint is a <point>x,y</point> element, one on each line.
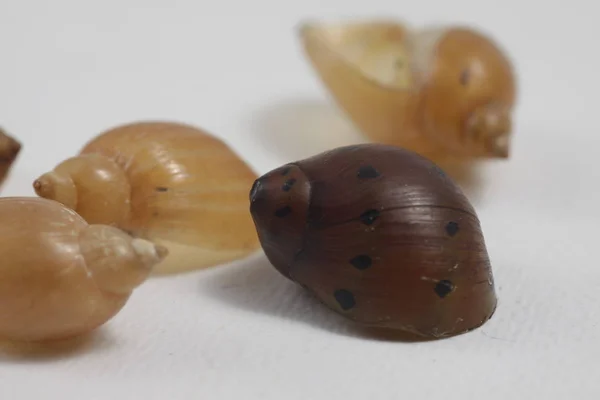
<point>70,69</point>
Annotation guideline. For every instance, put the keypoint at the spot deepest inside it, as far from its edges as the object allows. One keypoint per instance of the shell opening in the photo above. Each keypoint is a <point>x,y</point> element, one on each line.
<point>422,46</point>
<point>391,54</point>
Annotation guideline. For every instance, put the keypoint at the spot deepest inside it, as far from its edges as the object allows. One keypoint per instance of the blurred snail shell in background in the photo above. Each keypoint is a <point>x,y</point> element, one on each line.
<point>381,236</point>
<point>59,276</point>
<point>9,151</point>
<point>171,183</point>
<point>444,92</point>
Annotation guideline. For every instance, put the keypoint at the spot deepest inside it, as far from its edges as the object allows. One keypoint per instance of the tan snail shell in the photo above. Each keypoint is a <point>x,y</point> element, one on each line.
<point>170,183</point>
<point>444,92</point>
<point>59,276</point>
<point>9,150</point>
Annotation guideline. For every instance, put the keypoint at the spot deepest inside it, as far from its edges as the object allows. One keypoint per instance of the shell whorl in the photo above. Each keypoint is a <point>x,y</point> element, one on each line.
<point>421,47</point>
<point>91,184</point>
<point>57,186</point>
<point>117,262</point>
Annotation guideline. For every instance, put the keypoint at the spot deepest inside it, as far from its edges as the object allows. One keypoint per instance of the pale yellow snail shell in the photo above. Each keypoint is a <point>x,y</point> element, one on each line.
<point>171,183</point>
<point>59,276</point>
<point>444,92</point>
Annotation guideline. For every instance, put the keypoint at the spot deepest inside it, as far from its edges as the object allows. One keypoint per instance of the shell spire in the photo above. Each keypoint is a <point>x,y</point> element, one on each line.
<point>379,235</point>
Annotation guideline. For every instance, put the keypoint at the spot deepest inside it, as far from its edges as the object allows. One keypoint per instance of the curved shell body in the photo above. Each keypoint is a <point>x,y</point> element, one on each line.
<point>380,235</point>
<point>442,92</point>
<point>46,289</point>
<point>188,192</point>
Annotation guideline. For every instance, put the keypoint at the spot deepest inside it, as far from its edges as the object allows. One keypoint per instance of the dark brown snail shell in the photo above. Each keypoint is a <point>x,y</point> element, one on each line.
<point>380,235</point>
<point>10,148</point>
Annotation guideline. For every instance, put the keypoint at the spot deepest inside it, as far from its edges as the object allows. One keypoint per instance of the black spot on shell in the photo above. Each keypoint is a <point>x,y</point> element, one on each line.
<point>285,171</point>
<point>162,189</point>
<point>361,262</point>
<point>369,216</point>
<point>367,172</point>
<point>345,299</point>
<point>452,228</point>
<point>283,211</point>
<point>443,288</point>
<point>288,185</point>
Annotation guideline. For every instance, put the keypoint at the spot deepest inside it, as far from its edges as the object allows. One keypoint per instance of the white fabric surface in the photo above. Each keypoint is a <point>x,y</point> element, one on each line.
<point>69,69</point>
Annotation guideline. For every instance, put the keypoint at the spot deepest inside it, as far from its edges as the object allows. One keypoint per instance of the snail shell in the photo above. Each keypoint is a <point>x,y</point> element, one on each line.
<point>380,235</point>
<point>444,92</point>
<point>59,276</point>
<point>170,183</point>
<point>9,151</point>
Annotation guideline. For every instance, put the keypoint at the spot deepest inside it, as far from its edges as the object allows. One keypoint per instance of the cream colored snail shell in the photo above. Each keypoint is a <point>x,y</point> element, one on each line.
<point>440,91</point>
<point>170,183</point>
<point>9,151</point>
<point>59,276</point>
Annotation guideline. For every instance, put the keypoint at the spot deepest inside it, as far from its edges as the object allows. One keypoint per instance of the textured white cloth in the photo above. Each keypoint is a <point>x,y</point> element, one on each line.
<point>70,69</point>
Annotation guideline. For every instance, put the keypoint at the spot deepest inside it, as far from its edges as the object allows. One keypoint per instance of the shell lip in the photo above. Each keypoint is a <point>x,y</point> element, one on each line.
<point>313,23</point>
<point>311,33</point>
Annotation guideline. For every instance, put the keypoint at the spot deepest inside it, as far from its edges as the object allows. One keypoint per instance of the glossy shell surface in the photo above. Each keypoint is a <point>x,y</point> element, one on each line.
<point>189,192</point>
<point>380,235</point>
